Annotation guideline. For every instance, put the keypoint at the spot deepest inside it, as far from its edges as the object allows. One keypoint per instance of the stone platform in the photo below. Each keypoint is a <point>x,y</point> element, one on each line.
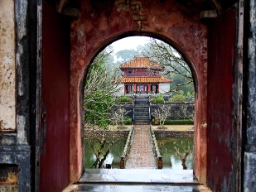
<point>115,180</point>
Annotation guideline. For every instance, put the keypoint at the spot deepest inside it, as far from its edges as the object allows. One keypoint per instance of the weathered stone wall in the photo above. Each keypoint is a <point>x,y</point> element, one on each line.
<point>179,111</point>
<point>91,133</point>
<point>7,66</point>
<point>128,108</point>
<point>250,148</point>
<point>14,97</point>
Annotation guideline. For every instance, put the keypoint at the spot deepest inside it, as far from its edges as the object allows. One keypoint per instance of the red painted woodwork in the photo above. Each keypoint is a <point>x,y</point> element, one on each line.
<point>221,48</point>
<point>102,22</point>
<point>54,162</point>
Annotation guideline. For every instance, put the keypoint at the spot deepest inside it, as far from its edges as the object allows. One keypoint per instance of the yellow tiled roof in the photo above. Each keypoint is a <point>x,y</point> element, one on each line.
<point>145,80</point>
<point>141,62</point>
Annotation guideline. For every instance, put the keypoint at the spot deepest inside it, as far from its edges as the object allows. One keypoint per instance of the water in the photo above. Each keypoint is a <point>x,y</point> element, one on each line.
<point>112,158</point>
<point>171,160</point>
<point>166,146</point>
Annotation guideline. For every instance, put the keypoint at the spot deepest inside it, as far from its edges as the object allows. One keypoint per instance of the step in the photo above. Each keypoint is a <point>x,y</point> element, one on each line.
<point>141,103</point>
<point>135,187</point>
<point>166,176</point>
<point>141,123</point>
<point>143,114</point>
<point>142,108</point>
<point>141,118</point>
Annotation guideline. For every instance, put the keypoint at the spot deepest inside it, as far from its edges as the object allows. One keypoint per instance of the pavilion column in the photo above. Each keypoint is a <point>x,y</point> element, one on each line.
<point>149,88</point>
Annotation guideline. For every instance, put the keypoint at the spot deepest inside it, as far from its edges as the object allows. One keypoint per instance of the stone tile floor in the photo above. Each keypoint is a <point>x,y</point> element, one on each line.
<point>135,188</point>
<point>137,180</point>
<point>164,176</point>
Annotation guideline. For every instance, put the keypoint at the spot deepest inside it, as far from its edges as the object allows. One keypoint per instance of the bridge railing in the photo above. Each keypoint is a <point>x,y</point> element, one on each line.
<point>126,149</point>
<point>156,149</point>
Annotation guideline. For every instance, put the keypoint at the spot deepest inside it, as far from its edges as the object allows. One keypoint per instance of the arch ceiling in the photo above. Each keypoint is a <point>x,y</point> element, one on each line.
<point>218,5</point>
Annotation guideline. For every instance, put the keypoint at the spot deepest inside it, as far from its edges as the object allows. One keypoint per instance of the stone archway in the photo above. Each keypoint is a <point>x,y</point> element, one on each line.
<point>98,26</point>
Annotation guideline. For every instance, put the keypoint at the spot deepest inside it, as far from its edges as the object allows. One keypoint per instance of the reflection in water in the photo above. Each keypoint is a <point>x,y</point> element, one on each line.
<point>166,146</point>
<point>112,158</point>
<point>171,160</point>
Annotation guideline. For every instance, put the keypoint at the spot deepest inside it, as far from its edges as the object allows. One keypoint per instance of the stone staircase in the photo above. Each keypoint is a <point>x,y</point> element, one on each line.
<point>141,180</point>
<point>141,110</point>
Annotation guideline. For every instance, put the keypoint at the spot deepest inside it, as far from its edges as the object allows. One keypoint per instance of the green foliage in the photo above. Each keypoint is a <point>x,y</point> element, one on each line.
<point>158,99</point>
<point>99,109</point>
<point>178,97</point>
<point>98,93</point>
<point>177,122</point>
<point>123,98</point>
<point>181,82</point>
<point>128,121</point>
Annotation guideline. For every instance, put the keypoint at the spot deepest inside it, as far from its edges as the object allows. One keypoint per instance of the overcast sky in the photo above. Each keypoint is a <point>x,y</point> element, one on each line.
<point>129,43</point>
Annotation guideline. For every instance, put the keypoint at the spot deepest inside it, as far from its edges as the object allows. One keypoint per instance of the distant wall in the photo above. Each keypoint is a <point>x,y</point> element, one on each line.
<point>179,111</point>
<point>127,108</point>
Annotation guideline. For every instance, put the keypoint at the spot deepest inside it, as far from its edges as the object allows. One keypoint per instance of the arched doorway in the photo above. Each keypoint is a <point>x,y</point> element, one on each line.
<point>100,80</point>
<point>88,39</point>
<point>200,158</point>
<point>179,24</point>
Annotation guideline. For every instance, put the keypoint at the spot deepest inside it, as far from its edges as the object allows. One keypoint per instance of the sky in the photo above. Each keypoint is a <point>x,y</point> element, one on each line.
<point>129,43</point>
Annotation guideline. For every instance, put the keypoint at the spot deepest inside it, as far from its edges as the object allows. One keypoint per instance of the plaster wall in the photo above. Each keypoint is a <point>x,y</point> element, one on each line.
<point>164,87</point>
<point>221,60</point>
<point>121,90</point>
<point>7,66</point>
<point>102,22</point>
<point>250,135</point>
<point>14,91</point>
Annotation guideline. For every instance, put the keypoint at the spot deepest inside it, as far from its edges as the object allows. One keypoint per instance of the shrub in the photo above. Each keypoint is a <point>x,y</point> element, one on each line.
<point>158,99</point>
<point>177,122</point>
<point>178,98</point>
<point>128,121</point>
<point>124,99</point>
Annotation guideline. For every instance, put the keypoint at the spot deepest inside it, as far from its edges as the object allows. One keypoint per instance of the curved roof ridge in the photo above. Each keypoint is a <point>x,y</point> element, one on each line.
<point>160,79</point>
<point>141,62</point>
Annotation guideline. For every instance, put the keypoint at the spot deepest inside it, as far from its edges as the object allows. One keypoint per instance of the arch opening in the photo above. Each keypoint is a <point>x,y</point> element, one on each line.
<point>184,55</point>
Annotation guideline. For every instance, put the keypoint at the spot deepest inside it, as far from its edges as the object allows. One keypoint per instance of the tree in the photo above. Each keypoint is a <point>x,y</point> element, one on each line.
<point>118,116</point>
<point>175,66</point>
<point>101,146</point>
<point>98,103</point>
<point>98,93</point>
<point>180,97</point>
<point>162,113</point>
<point>183,155</point>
